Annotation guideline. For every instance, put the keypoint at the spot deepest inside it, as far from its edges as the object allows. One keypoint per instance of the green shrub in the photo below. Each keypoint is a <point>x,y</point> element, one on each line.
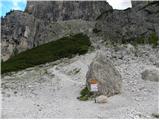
<point>84,91</point>
<point>64,47</point>
<point>85,94</point>
<point>83,98</point>
<point>137,41</point>
<point>153,39</point>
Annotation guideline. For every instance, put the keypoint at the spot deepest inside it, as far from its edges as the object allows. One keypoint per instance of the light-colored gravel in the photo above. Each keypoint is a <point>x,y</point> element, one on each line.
<point>51,91</point>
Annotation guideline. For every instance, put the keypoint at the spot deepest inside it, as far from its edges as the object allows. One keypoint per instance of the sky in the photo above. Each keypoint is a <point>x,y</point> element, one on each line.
<point>120,4</point>
<point>7,5</point>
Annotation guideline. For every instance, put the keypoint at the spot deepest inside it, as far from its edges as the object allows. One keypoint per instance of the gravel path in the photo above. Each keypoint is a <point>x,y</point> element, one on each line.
<point>51,91</point>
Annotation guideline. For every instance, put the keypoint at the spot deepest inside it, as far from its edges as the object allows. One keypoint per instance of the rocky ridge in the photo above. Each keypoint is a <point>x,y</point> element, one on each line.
<point>50,90</point>
<point>28,29</point>
<point>138,22</point>
<point>67,10</point>
<point>42,22</point>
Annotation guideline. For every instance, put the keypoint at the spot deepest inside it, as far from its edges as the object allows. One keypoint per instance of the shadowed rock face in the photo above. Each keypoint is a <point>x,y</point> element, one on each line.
<point>139,21</point>
<point>66,10</point>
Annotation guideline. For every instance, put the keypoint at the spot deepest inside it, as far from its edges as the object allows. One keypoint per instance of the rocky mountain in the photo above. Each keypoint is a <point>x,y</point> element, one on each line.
<point>67,10</point>
<point>141,20</point>
<point>54,79</point>
<point>17,32</point>
<point>42,22</point>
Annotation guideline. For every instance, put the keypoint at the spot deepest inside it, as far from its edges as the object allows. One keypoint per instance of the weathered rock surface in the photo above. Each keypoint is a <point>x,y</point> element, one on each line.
<point>101,99</point>
<point>141,20</point>
<point>17,32</point>
<point>42,22</point>
<point>67,10</point>
<point>47,21</point>
<point>28,32</point>
<point>108,78</point>
<point>150,74</point>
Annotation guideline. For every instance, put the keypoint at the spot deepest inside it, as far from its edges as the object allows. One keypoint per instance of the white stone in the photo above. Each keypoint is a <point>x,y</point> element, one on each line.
<point>101,99</point>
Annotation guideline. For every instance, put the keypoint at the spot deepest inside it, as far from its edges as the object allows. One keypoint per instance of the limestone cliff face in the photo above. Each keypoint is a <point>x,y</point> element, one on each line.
<point>17,32</point>
<point>139,21</point>
<point>44,21</point>
<point>66,10</point>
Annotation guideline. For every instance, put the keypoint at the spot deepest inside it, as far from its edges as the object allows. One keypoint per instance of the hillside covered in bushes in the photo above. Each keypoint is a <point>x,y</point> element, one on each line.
<point>64,47</point>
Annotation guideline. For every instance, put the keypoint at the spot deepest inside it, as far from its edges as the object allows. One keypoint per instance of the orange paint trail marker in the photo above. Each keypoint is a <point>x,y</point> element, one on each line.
<point>94,85</point>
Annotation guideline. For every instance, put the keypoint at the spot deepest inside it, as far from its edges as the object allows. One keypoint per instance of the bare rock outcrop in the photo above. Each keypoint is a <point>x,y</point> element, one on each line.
<point>67,10</point>
<point>17,32</point>
<point>138,22</point>
<point>107,76</point>
<point>45,21</point>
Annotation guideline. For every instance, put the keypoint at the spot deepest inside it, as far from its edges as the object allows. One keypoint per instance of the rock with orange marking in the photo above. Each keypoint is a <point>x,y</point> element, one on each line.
<point>108,78</point>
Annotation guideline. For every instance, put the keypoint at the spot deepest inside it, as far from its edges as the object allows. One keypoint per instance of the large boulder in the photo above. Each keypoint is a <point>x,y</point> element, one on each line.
<point>150,74</point>
<point>107,76</point>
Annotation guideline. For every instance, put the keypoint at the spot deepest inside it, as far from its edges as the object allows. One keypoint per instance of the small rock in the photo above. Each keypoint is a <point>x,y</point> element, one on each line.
<point>130,48</point>
<point>150,74</point>
<point>101,99</point>
<point>29,86</point>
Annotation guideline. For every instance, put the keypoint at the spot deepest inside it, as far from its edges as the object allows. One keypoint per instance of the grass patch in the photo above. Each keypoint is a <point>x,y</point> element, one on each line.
<point>85,94</point>
<point>141,40</point>
<point>64,47</point>
<point>152,40</point>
